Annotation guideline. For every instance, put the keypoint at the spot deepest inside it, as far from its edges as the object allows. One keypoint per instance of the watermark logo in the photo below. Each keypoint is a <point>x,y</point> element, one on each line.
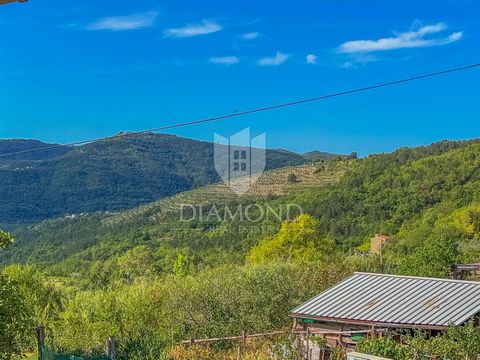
<point>240,160</point>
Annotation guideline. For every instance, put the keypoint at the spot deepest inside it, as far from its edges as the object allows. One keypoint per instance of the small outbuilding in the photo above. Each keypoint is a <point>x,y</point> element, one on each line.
<point>377,243</point>
<point>366,304</point>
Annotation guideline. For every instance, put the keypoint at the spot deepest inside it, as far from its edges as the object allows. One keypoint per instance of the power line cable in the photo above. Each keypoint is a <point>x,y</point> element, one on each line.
<point>252,111</point>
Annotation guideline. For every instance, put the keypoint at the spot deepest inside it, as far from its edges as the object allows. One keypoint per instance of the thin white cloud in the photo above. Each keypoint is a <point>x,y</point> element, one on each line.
<point>311,59</point>
<point>123,23</point>
<point>358,60</point>
<point>278,59</point>
<point>189,30</point>
<point>250,35</point>
<point>224,60</point>
<point>411,39</point>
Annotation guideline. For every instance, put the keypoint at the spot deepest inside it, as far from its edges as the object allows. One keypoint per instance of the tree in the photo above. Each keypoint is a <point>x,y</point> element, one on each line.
<point>6,239</point>
<point>299,239</point>
<point>13,311</point>
<point>13,319</point>
<point>38,300</point>
<point>292,178</point>
<point>137,262</point>
<point>181,265</point>
<point>435,256</point>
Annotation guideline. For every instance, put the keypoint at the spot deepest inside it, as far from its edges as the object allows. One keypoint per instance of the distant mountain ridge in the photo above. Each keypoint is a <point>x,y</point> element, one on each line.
<point>20,145</point>
<point>109,175</point>
<point>316,155</point>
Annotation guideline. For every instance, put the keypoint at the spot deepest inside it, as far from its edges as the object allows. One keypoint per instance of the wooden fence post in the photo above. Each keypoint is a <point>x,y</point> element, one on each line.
<point>111,350</point>
<point>244,342</point>
<point>40,339</point>
<point>308,343</point>
<point>341,335</point>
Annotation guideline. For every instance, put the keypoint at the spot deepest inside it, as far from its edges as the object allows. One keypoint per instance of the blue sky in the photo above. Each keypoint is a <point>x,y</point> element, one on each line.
<point>73,70</point>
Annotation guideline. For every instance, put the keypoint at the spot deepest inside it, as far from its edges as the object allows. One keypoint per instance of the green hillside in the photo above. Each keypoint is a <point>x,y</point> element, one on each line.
<point>352,199</point>
<point>58,239</point>
<point>108,175</point>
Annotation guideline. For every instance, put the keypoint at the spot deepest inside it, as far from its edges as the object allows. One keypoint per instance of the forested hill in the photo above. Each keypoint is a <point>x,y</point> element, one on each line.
<point>109,175</point>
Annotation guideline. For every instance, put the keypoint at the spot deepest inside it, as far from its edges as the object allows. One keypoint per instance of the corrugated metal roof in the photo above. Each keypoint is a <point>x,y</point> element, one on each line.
<point>394,299</point>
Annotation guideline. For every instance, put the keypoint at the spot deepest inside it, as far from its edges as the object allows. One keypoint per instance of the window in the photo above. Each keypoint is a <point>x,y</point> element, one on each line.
<point>244,166</point>
<point>236,154</point>
<point>244,154</point>
<point>236,166</point>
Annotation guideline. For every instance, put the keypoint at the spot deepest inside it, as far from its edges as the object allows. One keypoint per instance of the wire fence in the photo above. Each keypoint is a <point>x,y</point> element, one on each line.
<point>46,353</point>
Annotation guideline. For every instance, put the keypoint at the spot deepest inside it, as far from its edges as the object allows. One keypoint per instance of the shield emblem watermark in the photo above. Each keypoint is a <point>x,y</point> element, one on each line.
<point>239,159</point>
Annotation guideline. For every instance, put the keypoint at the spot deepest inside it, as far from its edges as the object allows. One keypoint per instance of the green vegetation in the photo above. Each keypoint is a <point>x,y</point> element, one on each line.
<point>456,343</point>
<point>12,319</point>
<point>26,299</point>
<point>150,279</point>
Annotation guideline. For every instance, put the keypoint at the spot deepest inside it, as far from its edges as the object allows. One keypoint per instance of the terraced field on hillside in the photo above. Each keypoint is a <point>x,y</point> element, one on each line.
<point>271,183</point>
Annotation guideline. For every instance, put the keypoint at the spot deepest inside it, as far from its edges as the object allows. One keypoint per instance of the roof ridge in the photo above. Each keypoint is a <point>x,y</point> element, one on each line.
<point>418,277</point>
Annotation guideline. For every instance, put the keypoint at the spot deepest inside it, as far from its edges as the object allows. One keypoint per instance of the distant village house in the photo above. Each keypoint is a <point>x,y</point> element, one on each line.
<point>377,243</point>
